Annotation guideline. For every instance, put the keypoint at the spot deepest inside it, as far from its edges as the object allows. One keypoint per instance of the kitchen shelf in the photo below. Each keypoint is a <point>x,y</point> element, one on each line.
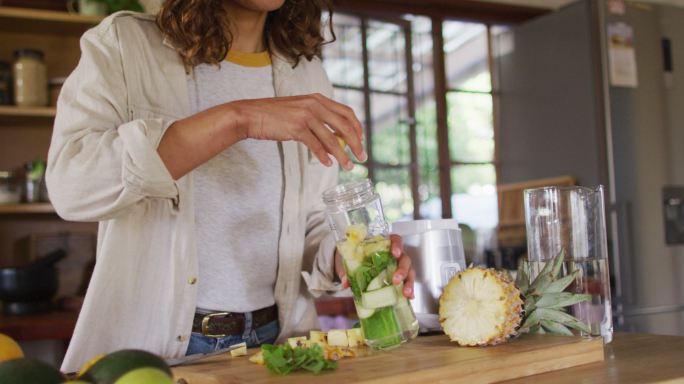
<point>12,111</point>
<point>26,20</point>
<point>32,208</point>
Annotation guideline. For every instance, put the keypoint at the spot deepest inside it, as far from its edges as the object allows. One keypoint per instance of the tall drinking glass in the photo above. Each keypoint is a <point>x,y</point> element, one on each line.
<point>573,219</point>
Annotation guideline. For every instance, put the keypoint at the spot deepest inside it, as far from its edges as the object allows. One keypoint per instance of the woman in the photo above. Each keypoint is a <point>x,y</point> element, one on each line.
<point>205,175</point>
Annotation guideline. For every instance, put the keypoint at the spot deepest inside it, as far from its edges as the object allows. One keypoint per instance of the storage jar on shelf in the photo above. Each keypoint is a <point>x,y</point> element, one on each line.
<point>30,78</point>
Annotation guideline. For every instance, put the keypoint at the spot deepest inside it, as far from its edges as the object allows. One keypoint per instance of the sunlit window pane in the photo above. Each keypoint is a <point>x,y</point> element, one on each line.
<point>474,195</point>
<point>386,57</point>
<point>471,134</point>
<point>342,59</point>
<point>465,53</point>
<point>359,172</point>
<point>390,129</point>
<point>393,185</point>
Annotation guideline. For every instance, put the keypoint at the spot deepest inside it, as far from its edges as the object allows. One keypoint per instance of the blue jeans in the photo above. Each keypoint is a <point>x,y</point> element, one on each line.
<point>266,334</point>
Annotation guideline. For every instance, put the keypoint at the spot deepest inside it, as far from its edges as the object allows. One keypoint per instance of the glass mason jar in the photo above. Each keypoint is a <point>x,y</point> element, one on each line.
<point>355,215</point>
<point>30,78</point>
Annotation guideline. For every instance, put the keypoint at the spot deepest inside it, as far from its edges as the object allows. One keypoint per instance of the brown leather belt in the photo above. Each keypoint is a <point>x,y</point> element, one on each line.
<point>221,324</point>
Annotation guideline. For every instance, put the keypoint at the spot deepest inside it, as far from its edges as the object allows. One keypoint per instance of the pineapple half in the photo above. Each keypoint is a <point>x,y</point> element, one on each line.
<point>481,306</point>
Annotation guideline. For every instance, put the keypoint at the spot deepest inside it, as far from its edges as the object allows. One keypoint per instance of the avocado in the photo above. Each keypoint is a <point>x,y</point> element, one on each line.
<point>113,366</point>
<point>28,370</point>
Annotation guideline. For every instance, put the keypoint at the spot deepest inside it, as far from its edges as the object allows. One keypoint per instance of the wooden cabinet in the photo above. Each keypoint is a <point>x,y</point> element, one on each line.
<point>25,132</point>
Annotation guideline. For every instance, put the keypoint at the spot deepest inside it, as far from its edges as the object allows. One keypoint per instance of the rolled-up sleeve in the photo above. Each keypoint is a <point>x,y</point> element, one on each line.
<point>101,161</point>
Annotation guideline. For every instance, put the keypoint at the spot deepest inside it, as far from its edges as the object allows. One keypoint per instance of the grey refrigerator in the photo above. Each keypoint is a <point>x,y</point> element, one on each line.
<point>598,94</point>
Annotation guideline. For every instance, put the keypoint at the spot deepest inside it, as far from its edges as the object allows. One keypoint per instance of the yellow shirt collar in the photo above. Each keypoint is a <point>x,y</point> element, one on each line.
<point>248,59</point>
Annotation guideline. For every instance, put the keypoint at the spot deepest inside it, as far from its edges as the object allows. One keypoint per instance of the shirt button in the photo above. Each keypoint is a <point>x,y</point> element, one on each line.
<point>181,338</point>
<point>192,280</point>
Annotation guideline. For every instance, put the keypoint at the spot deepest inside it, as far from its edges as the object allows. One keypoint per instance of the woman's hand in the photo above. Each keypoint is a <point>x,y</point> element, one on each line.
<point>314,120</point>
<point>404,273</point>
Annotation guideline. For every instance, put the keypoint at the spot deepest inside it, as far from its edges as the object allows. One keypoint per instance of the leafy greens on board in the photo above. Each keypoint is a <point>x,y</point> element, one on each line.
<point>283,359</point>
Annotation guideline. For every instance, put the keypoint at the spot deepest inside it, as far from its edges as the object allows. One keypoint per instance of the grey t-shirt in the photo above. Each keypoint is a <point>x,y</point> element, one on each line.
<point>237,195</point>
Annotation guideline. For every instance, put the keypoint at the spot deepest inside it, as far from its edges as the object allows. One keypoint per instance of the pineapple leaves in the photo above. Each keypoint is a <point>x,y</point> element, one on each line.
<point>522,279</point>
<point>556,328</point>
<point>563,318</point>
<point>560,299</point>
<point>560,284</point>
<point>531,320</point>
<point>545,299</point>
<point>548,274</point>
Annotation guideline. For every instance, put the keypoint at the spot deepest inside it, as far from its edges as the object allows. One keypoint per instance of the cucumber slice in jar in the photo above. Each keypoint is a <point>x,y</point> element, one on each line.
<point>379,298</point>
<point>362,311</point>
<point>378,281</point>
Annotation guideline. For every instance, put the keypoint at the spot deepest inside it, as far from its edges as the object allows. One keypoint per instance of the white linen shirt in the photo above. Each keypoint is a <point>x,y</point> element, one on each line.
<point>129,86</point>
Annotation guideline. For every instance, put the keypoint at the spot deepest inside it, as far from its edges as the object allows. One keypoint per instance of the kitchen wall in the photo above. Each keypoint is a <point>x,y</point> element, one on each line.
<point>672,24</point>
<point>542,136</point>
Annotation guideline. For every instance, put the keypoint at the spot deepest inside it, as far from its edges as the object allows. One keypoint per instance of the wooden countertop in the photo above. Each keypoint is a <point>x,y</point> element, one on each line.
<point>630,358</point>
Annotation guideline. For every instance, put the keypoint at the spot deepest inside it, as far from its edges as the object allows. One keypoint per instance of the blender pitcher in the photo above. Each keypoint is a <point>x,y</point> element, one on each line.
<point>355,215</point>
<point>573,219</point>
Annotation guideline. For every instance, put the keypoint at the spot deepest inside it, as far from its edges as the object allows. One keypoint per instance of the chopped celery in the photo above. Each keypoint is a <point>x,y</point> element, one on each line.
<point>382,328</point>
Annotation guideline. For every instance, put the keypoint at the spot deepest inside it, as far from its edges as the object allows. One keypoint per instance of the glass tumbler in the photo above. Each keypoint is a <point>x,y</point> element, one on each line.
<point>355,215</point>
<point>573,219</point>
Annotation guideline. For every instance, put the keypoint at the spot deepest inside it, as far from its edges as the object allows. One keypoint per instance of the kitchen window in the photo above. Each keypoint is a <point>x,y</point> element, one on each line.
<point>383,68</point>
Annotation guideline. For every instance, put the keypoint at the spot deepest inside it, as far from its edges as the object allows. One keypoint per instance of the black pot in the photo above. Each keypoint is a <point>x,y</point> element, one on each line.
<point>29,289</point>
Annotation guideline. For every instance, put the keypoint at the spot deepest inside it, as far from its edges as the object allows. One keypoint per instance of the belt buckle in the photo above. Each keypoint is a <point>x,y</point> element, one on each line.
<point>205,323</point>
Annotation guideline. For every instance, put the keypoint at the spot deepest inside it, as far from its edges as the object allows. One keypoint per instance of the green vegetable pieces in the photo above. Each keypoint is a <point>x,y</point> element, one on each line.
<point>369,269</point>
<point>283,359</point>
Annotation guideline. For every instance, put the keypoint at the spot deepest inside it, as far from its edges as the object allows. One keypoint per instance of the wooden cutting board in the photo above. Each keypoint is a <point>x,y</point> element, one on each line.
<point>428,359</point>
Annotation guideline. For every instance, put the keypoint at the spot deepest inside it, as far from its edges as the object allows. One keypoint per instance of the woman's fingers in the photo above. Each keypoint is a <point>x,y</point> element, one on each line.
<point>409,283</point>
<point>403,269</point>
<point>315,146</point>
<point>345,123</point>
<point>329,141</point>
<point>396,245</point>
<point>405,272</point>
<point>339,269</point>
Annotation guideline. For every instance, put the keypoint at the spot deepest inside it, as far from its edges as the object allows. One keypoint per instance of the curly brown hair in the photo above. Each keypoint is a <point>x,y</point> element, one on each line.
<point>199,28</point>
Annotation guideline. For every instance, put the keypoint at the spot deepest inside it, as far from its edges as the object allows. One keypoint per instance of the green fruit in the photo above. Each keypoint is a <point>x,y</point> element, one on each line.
<point>145,376</point>
<point>27,370</point>
<point>113,366</point>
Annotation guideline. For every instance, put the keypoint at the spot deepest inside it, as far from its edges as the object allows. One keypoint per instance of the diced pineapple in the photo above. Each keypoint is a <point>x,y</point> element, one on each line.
<point>356,233</point>
<point>338,338</point>
<point>318,337</point>
<point>257,358</point>
<point>336,353</point>
<point>348,352</point>
<point>299,341</point>
<point>355,337</point>
<point>332,353</point>
<point>241,350</point>
<point>351,252</point>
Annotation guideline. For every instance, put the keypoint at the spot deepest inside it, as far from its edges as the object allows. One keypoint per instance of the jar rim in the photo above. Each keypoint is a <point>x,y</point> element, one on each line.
<point>29,52</point>
<point>349,194</point>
